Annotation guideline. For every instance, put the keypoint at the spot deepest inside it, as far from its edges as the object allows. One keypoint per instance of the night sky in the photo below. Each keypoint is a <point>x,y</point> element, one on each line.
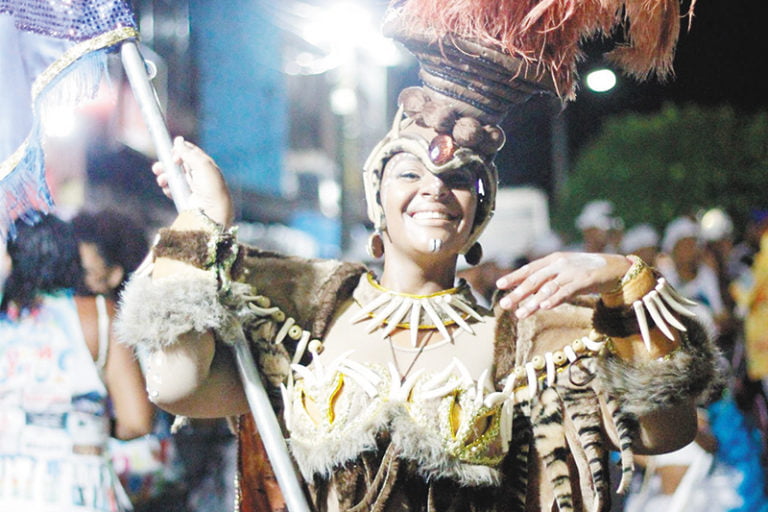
<point>717,63</point>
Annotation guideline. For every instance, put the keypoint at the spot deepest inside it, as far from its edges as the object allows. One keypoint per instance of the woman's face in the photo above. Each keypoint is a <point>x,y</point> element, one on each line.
<point>99,277</point>
<point>426,213</point>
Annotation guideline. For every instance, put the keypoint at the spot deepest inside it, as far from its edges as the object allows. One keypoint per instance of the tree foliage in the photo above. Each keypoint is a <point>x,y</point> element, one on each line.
<point>678,161</point>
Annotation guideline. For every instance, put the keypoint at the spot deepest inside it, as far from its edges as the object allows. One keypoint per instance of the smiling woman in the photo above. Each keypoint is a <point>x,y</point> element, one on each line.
<point>399,392</point>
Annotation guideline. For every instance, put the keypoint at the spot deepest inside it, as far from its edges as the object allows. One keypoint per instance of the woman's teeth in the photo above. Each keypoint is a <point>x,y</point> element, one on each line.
<point>431,215</point>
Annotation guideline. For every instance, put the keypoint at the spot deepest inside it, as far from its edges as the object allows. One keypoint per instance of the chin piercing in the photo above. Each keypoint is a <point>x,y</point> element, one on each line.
<point>435,244</point>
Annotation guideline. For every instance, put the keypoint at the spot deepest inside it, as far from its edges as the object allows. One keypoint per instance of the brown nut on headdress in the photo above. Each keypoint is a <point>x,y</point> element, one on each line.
<point>439,116</point>
<point>468,132</point>
<point>413,100</point>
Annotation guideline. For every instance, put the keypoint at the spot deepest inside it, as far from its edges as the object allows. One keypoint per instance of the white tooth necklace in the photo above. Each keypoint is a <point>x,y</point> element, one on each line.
<point>388,310</point>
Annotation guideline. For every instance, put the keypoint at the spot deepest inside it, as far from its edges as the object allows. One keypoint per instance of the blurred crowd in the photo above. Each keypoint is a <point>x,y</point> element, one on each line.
<point>724,268</point>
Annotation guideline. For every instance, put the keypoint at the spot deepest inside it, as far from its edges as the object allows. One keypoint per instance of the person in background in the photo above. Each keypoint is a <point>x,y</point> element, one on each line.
<point>743,254</point>
<point>642,240</point>
<point>750,291</point>
<point>111,246</point>
<point>65,383</point>
<point>690,478</point>
<point>685,269</point>
<point>738,447</point>
<point>717,237</point>
<point>598,227</point>
<point>717,233</point>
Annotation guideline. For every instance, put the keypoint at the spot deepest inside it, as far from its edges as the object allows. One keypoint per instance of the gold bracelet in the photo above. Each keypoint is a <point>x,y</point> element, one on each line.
<point>638,265</point>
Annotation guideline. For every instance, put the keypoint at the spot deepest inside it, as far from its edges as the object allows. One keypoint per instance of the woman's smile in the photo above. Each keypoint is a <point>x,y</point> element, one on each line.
<point>432,215</point>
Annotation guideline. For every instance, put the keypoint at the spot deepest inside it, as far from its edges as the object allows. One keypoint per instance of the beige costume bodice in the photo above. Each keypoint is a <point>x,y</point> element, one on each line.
<point>437,402</point>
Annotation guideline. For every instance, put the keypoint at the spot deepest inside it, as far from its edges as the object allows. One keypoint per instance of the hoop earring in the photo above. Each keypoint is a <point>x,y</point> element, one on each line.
<point>375,245</point>
<point>474,254</point>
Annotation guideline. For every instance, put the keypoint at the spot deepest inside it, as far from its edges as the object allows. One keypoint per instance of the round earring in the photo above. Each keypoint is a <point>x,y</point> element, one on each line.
<point>474,254</point>
<point>375,245</point>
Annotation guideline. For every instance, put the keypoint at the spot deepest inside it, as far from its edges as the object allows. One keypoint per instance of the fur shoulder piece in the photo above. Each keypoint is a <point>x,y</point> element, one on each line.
<point>306,289</point>
<point>153,313</point>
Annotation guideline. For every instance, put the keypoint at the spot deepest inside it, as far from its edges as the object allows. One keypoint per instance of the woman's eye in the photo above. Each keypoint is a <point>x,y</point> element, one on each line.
<point>410,175</point>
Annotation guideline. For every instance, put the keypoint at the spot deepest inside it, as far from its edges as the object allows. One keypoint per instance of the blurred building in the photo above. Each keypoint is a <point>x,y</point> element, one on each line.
<point>287,97</point>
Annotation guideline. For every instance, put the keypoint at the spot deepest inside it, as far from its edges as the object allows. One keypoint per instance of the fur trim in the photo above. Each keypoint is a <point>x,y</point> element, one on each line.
<point>301,287</point>
<point>416,444</point>
<point>334,291</point>
<point>323,455</point>
<point>688,373</point>
<point>549,330</point>
<point>505,342</point>
<point>153,314</point>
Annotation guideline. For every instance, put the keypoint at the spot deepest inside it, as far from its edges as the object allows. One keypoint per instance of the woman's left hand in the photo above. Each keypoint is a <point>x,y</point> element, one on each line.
<point>549,281</point>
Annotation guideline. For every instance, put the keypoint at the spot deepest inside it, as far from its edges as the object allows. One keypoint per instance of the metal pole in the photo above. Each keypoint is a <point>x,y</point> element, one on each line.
<point>258,400</point>
<point>269,428</point>
<point>136,70</point>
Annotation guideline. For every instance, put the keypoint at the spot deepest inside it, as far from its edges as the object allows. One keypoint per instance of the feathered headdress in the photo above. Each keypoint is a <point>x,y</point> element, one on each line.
<point>478,58</point>
<point>545,35</point>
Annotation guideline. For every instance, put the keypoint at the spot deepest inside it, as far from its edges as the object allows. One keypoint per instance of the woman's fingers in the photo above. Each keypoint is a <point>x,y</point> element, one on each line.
<point>191,155</point>
<point>549,281</point>
<point>209,190</point>
<point>549,295</point>
<point>532,283</point>
<point>161,178</point>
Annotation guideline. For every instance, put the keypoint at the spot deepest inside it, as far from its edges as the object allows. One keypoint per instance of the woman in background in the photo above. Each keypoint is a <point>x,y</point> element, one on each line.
<point>65,383</point>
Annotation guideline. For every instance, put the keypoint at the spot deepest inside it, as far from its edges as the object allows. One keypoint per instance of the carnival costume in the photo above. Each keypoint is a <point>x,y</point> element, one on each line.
<point>495,413</point>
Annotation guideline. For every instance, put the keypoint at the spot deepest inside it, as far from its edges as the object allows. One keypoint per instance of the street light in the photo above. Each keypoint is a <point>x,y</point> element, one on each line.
<point>601,80</point>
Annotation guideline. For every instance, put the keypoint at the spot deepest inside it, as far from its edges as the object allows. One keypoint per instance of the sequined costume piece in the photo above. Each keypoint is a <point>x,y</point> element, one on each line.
<point>54,56</point>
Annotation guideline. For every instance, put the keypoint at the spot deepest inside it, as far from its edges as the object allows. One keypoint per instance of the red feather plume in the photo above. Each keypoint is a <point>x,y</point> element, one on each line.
<point>547,33</point>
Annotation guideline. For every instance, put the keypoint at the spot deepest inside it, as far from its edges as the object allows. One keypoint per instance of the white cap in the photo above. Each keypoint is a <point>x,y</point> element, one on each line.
<point>716,225</point>
<point>596,214</point>
<point>638,237</point>
<point>681,227</point>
